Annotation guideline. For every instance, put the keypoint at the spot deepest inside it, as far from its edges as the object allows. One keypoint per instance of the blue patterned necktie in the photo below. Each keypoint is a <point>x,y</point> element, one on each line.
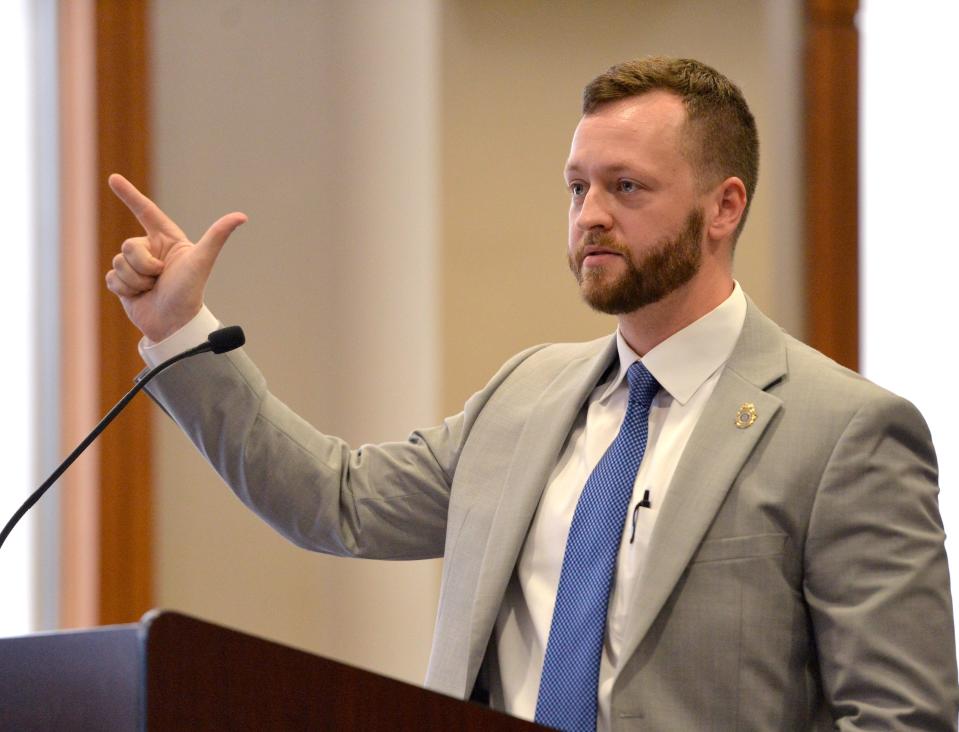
<point>570,679</point>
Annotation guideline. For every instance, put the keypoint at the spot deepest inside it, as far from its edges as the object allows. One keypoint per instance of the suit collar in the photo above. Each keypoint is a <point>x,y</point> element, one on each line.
<point>759,357</point>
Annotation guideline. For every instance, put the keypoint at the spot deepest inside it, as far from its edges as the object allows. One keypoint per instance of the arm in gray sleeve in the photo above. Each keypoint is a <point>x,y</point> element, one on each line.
<point>877,582</point>
<point>385,501</point>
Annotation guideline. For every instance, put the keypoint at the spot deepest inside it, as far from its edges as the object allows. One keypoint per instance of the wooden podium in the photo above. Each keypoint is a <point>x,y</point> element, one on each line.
<point>174,672</point>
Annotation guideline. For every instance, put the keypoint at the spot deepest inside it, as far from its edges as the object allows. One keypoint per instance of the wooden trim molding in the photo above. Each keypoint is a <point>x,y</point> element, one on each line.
<point>125,451</point>
<point>107,567</point>
<point>832,178</point>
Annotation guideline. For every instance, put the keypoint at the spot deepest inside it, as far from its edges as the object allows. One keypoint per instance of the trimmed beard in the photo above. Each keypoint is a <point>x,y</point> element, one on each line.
<point>661,271</point>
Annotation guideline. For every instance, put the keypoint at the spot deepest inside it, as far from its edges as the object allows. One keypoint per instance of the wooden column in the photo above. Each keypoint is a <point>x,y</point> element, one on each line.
<point>832,178</point>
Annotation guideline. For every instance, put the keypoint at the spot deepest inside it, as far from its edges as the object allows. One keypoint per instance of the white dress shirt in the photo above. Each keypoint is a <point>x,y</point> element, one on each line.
<point>687,366</point>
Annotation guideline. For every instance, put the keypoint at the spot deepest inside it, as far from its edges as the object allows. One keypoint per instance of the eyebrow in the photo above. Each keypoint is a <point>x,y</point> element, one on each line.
<point>612,169</point>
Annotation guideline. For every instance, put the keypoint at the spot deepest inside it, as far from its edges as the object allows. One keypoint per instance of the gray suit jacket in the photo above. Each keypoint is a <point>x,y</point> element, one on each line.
<point>798,579</point>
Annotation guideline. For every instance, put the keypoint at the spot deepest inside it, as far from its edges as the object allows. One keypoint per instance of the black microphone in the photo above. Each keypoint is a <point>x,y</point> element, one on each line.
<point>226,339</point>
<point>219,341</point>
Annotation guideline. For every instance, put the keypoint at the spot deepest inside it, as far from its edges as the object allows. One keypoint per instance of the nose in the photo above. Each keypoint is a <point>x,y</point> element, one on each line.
<point>593,212</point>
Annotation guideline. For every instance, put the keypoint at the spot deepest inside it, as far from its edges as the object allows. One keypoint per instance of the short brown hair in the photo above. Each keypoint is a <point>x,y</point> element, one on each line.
<point>724,138</point>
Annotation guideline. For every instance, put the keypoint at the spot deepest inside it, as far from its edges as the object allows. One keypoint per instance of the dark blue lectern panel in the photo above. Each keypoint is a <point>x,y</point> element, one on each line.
<point>71,680</point>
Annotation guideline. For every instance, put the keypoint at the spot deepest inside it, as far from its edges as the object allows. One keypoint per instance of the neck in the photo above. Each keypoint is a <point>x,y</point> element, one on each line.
<point>646,328</point>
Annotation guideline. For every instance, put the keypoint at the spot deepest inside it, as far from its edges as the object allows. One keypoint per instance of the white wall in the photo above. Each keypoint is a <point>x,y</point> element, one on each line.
<point>401,164</point>
<point>910,248</point>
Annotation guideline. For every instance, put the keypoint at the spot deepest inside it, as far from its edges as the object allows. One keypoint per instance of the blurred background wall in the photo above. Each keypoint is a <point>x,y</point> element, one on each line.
<point>401,164</point>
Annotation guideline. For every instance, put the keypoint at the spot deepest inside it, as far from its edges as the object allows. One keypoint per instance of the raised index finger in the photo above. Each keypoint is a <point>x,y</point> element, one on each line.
<point>153,220</point>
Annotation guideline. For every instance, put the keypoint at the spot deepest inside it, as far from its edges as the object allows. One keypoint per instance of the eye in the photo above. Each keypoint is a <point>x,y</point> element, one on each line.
<point>577,188</point>
<point>627,186</point>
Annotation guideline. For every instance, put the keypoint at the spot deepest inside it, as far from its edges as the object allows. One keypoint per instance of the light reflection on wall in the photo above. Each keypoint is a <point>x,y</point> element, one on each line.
<point>16,313</point>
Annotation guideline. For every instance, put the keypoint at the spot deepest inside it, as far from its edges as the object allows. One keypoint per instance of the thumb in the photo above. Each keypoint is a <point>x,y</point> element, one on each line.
<point>210,244</point>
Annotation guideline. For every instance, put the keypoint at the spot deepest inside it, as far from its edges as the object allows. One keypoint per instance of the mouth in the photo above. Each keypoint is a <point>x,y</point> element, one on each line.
<point>595,252</point>
<point>597,257</point>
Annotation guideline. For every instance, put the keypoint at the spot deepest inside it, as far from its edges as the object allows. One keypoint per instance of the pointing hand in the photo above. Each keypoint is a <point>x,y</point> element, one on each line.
<point>160,277</point>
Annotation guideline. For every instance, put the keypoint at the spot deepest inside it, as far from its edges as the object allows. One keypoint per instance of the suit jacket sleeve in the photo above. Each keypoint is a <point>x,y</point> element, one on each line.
<point>384,501</point>
<point>876,579</point>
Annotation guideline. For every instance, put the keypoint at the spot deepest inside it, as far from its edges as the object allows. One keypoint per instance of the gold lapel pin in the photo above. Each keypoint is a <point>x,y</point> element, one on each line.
<point>746,416</point>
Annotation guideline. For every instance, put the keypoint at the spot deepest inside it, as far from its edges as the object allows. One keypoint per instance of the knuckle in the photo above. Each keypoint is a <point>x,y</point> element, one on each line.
<point>130,246</point>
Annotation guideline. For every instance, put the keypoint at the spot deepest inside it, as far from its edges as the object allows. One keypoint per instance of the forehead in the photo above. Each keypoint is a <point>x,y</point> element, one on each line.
<point>646,129</point>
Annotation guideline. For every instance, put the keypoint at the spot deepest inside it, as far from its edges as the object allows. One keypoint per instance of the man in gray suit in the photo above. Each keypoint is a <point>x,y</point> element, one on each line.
<point>776,557</point>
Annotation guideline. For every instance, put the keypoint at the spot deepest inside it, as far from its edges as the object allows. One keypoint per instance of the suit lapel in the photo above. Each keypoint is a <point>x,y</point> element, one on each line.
<point>714,456</point>
<point>534,457</point>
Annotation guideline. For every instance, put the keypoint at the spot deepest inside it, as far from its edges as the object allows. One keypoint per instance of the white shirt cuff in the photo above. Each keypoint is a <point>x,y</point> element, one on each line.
<point>190,335</point>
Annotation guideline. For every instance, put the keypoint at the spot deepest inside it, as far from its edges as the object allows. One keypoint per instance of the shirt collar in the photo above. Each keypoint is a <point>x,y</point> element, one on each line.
<point>684,361</point>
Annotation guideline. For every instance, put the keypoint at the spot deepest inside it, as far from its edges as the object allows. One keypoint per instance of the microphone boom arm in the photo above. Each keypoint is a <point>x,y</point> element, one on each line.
<point>220,341</point>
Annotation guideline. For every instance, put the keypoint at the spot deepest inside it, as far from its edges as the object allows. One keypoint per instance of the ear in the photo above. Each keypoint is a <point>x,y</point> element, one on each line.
<point>727,202</point>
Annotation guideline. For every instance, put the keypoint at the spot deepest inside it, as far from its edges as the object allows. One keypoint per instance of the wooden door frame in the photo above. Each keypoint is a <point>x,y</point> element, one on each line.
<point>831,153</point>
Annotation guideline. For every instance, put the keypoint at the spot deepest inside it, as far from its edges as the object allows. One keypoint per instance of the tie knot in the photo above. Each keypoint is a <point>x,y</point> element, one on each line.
<point>642,385</point>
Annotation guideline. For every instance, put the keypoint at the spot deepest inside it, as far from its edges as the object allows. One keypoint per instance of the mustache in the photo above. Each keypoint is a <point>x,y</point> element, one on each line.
<point>598,240</point>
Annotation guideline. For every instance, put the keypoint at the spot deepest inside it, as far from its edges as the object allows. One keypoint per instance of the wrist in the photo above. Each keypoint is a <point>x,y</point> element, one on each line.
<point>190,334</point>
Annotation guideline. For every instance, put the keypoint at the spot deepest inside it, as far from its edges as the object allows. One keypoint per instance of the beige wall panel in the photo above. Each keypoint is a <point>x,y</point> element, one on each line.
<point>317,120</point>
<point>512,78</point>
